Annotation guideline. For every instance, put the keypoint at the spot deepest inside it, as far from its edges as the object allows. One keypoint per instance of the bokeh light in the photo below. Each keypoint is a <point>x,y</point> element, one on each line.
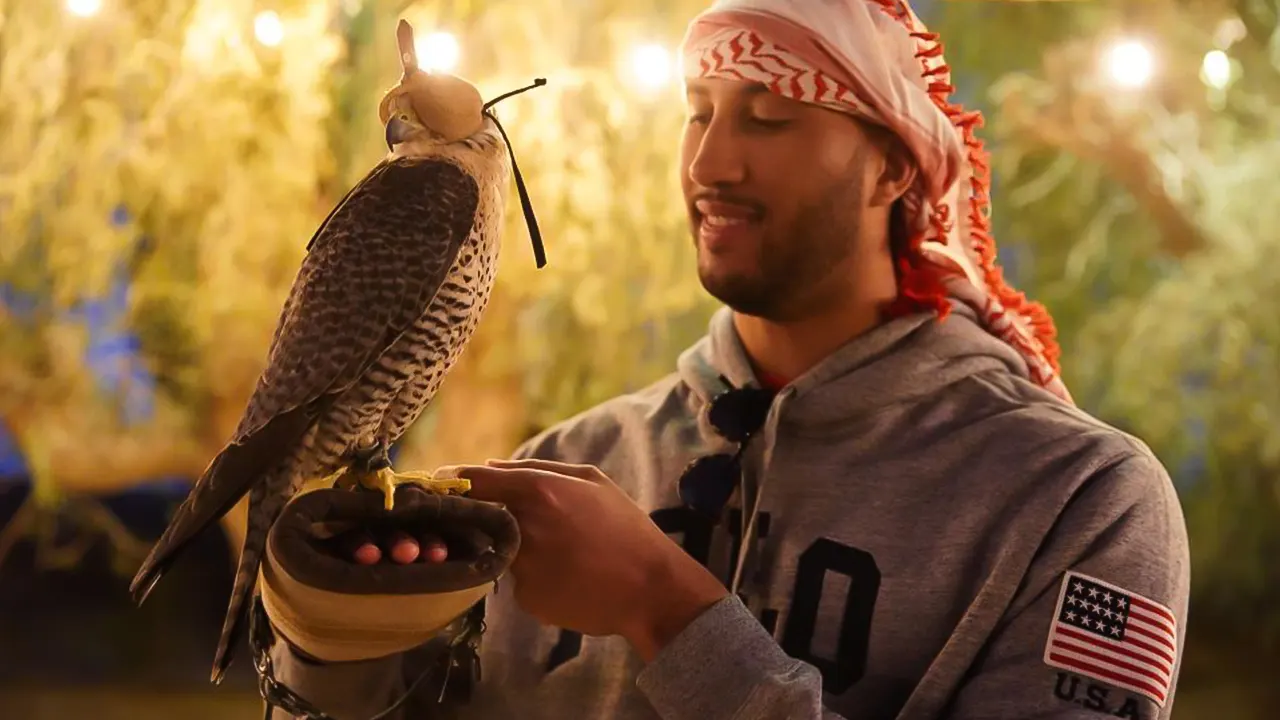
<point>438,51</point>
<point>84,8</point>
<point>1130,63</point>
<point>652,66</point>
<point>1216,69</point>
<point>268,28</point>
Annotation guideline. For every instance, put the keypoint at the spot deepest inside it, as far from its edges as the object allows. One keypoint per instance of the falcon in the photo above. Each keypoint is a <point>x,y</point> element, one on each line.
<point>394,283</point>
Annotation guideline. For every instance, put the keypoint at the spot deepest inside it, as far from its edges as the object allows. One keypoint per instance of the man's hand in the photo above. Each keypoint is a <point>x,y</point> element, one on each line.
<point>590,559</point>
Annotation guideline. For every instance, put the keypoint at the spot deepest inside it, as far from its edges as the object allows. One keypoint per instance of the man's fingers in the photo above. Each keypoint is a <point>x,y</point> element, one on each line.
<point>395,546</point>
<point>404,548</point>
<point>433,549</point>
<point>368,554</point>
<point>516,487</point>
<point>580,471</point>
<point>360,547</point>
<point>491,484</point>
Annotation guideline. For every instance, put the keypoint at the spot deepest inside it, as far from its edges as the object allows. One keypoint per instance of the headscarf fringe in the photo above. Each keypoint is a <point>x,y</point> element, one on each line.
<point>922,288</point>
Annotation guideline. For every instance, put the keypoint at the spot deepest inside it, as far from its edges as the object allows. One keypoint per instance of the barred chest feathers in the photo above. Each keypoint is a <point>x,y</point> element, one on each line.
<point>448,323</point>
<point>402,383</point>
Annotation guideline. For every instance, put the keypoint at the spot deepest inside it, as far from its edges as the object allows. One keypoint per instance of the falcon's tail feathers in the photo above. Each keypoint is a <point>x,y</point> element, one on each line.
<point>255,541</point>
<point>236,469</point>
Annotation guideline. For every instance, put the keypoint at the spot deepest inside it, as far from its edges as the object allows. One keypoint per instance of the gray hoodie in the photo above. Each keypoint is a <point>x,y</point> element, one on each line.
<point>936,537</point>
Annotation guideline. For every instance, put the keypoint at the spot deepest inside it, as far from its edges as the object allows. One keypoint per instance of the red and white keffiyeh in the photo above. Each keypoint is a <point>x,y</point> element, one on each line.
<point>877,60</point>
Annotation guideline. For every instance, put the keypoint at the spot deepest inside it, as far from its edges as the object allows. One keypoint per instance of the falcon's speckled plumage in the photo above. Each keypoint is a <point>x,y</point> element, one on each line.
<point>393,285</point>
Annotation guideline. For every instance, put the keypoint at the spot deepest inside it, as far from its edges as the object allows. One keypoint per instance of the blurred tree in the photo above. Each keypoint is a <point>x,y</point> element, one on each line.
<point>160,160</point>
<point>1135,205</point>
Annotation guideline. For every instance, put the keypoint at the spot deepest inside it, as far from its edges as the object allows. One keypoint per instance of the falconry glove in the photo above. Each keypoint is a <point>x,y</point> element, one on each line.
<point>330,609</point>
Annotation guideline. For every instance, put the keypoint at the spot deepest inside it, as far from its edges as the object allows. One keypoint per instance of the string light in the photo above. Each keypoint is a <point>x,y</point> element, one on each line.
<point>268,28</point>
<point>1130,64</point>
<point>651,66</point>
<point>1216,69</point>
<point>438,51</point>
<point>84,8</point>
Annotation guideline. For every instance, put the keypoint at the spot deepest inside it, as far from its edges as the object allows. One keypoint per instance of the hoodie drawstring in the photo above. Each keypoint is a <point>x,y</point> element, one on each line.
<point>750,520</point>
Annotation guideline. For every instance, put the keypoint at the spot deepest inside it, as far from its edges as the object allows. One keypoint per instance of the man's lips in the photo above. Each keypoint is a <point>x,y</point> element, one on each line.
<point>724,224</point>
<point>722,212</point>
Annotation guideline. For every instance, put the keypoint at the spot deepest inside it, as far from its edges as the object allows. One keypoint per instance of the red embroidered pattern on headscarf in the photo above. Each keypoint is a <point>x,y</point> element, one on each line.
<point>875,59</point>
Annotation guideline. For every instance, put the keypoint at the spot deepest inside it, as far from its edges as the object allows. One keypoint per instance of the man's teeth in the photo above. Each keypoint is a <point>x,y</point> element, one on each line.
<point>723,221</point>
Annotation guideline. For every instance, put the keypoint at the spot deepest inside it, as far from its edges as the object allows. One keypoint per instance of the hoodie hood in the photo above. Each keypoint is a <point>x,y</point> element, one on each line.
<point>895,362</point>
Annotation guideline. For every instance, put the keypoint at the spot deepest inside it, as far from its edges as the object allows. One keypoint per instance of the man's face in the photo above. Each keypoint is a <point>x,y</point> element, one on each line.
<point>776,191</point>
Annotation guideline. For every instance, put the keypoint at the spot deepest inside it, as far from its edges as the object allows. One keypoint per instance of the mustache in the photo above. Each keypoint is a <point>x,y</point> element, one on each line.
<point>717,196</point>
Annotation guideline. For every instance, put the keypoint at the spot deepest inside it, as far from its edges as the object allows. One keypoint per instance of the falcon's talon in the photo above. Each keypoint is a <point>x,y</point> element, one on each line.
<point>441,484</point>
<point>382,481</point>
<point>385,481</point>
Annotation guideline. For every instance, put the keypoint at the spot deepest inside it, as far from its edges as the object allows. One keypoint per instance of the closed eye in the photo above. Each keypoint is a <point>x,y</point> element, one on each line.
<point>761,123</point>
<point>771,124</point>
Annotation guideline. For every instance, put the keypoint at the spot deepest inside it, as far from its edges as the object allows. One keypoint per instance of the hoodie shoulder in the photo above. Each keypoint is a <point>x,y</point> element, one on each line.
<point>1059,442</point>
<point>593,435</point>
<point>1030,410</point>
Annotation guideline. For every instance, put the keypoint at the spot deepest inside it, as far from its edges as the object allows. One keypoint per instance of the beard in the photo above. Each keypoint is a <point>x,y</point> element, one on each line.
<point>791,262</point>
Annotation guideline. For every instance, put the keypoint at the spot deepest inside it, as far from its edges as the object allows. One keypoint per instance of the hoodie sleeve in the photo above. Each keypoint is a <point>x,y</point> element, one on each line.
<point>724,665</point>
<point>1098,625</point>
<point>1114,565</point>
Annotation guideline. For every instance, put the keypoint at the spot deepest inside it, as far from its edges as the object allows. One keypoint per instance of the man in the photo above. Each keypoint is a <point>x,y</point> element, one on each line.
<point>923,525</point>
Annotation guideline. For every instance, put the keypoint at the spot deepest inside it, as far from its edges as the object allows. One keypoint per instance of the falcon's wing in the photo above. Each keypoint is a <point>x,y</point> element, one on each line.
<point>372,268</point>
<point>370,271</point>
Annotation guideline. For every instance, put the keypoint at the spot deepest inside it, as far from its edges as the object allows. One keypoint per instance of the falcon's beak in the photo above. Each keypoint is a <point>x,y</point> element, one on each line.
<point>397,132</point>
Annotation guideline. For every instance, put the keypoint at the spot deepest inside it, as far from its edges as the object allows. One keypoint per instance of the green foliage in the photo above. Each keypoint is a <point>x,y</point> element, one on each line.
<point>1148,216</point>
<point>160,142</point>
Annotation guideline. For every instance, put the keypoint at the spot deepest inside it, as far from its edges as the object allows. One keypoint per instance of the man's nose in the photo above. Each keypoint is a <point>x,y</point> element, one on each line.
<point>719,159</point>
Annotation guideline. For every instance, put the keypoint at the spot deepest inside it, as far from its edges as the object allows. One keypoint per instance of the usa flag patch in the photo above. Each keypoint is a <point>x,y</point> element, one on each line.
<point>1110,634</point>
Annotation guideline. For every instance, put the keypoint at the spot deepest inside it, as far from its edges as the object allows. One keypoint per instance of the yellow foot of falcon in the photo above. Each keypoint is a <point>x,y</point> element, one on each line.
<point>443,481</point>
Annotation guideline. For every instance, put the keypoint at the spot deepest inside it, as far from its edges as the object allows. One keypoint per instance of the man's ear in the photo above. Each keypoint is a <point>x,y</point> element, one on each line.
<point>897,173</point>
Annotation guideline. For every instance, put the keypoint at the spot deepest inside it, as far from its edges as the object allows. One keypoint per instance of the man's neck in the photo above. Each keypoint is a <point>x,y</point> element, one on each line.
<point>783,351</point>
<point>845,304</point>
